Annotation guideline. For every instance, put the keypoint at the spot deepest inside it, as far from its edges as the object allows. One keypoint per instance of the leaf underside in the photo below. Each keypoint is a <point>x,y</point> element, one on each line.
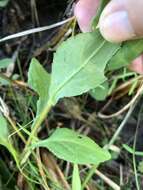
<point>79,65</point>
<point>126,54</point>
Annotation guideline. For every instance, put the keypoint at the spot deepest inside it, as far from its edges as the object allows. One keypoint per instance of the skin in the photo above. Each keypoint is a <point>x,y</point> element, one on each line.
<point>121,20</point>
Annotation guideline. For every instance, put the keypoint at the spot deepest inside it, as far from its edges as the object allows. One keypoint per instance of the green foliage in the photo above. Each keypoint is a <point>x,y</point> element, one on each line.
<point>4,132</point>
<point>131,150</point>
<point>82,62</point>
<point>140,167</point>
<point>76,183</point>
<point>39,81</point>
<point>79,65</point>
<point>101,92</point>
<point>127,53</point>
<point>64,143</point>
<point>5,62</point>
<point>3,3</point>
<point>4,138</point>
<point>73,147</point>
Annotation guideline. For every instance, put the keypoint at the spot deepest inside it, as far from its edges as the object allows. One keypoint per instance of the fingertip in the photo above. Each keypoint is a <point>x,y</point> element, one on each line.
<point>81,14</point>
<point>116,27</point>
<point>84,11</point>
<point>121,20</point>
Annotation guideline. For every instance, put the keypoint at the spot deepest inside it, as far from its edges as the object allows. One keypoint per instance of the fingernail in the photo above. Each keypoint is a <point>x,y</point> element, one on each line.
<point>116,27</point>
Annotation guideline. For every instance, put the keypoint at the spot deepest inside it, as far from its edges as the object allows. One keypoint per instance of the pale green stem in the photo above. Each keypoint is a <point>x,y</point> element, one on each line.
<point>88,177</point>
<point>39,121</point>
<point>36,126</point>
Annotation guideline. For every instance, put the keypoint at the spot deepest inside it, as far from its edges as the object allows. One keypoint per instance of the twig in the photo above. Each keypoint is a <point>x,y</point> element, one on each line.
<point>127,106</point>
<point>120,127</point>
<point>35,30</point>
<point>41,171</point>
<point>50,163</point>
<point>107,180</point>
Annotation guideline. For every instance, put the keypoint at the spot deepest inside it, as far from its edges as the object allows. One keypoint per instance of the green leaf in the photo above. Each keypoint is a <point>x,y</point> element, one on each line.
<point>73,147</point>
<point>79,65</point>
<point>3,3</point>
<point>39,81</point>
<point>140,167</point>
<point>76,183</point>
<point>4,140</point>
<point>4,132</point>
<point>129,49</point>
<point>100,93</point>
<point>127,53</point>
<point>5,63</point>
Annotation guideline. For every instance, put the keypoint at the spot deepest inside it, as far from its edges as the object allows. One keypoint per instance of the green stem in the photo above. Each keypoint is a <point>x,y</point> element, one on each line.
<point>14,153</point>
<point>88,177</point>
<point>39,121</point>
<point>35,127</point>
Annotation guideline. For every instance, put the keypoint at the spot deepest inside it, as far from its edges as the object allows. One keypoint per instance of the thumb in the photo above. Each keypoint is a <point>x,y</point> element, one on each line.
<point>122,20</point>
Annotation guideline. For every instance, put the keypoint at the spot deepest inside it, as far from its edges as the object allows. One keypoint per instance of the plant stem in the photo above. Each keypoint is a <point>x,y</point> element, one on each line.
<point>134,149</point>
<point>39,121</point>
<point>107,180</point>
<point>41,171</point>
<point>111,142</point>
<point>35,127</point>
<point>135,171</point>
<point>14,153</point>
<point>89,175</point>
<point>16,129</point>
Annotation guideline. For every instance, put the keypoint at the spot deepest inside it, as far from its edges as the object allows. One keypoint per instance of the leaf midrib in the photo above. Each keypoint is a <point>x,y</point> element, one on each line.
<point>80,68</point>
<point>74,142</point>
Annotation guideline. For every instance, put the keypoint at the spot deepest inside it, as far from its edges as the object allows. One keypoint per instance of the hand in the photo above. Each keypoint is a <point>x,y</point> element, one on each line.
<point>121,20</point>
